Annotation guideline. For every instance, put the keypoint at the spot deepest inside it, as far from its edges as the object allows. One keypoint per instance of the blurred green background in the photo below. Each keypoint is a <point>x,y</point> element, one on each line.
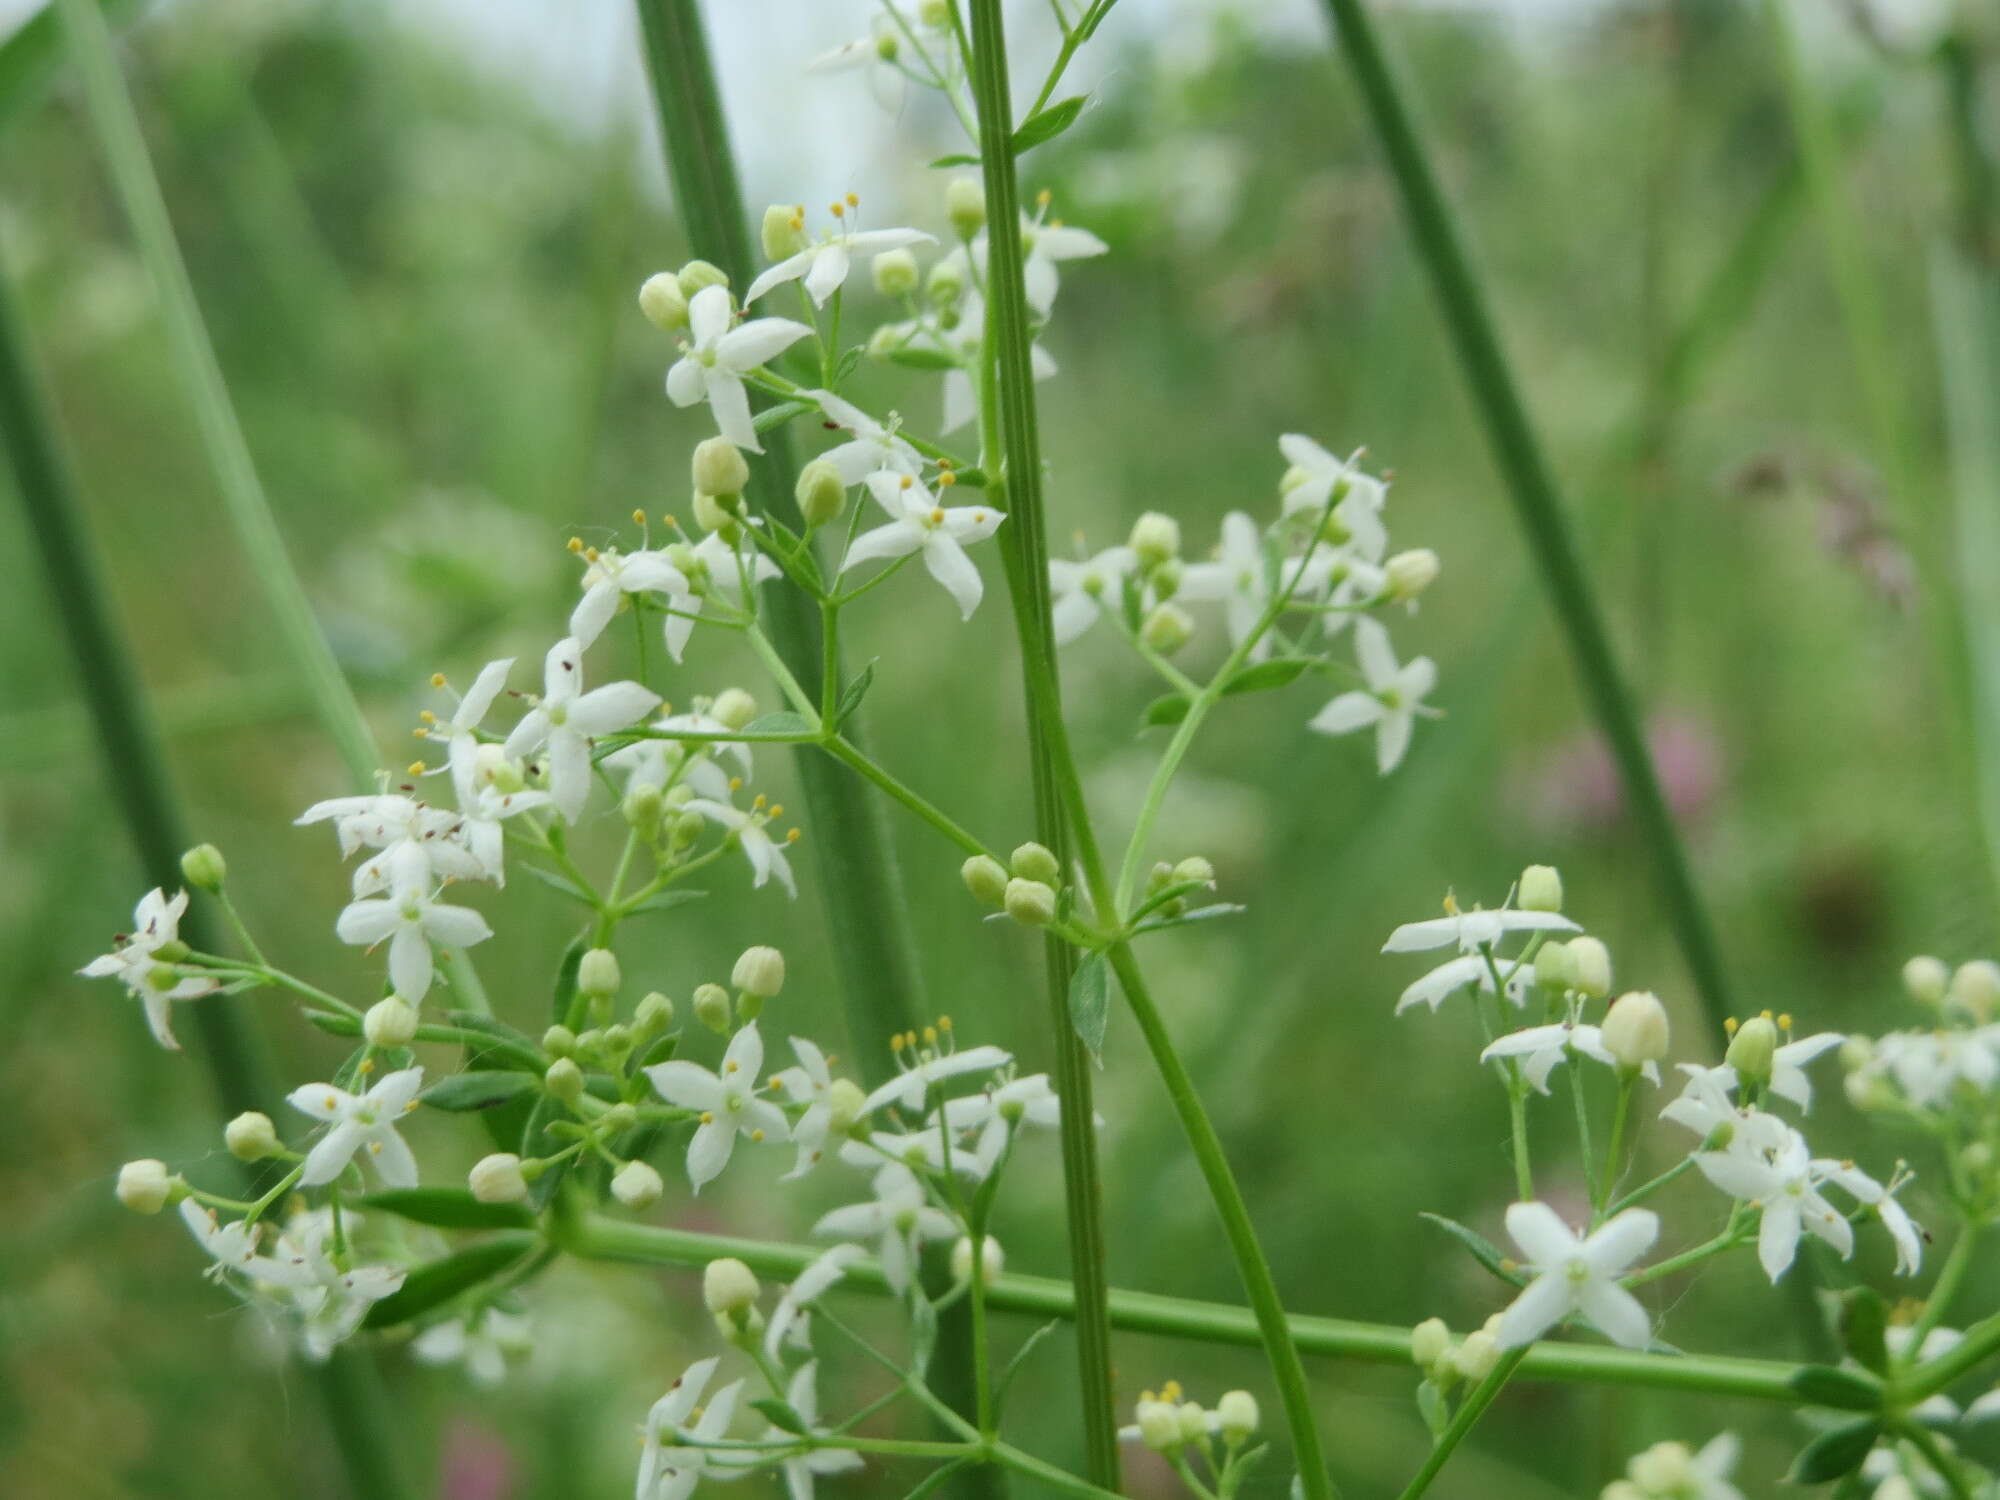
<point>416,238</point>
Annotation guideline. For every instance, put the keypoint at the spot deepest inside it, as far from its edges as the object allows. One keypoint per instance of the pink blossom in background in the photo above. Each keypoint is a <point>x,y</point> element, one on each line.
<point>475,1464</point>
<point>1572,787</point>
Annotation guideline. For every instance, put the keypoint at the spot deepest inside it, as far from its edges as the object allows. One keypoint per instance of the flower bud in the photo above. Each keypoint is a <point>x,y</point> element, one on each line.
<point>390,1023</point>
<point>1856,1052</point>
<point>1167,629</point>
<point>783,231</point>
<point>251,1136</point>
<point>1541,889</point>
<point>663,302</point>
<point>712,514</point>
<point>559,1041</point>
<point>1593,967</point>
<point>1555,967</point>
<point>204,868</point>
<point>1410,573</point>
<point>1751,1049</point>
<point>1166,579</point>
<point>965,206</point>
<point>935,14</point>
<point>944,285</point>
<point>1430,1341</point>
<point>497,1178</point>
<point>1926,979</point>
<point>145,1186</point>
<point>711,1008</point>
<point>1237,1416</point>
<point>1159,1424</point>
<point>1476,1355</point>
<point>729,1287</point>
<point>564,1080</point>
<point>821,493</point>
<point>1194,1421</point>
<point>618,1119</point>
<point>1663,1469</point>
<point>896,273</point>
<point>642,809</point>
<point>844,1103</point>
<point>617,1040</point>
<point>759,971</point>
<point>733,707</point>
<point>597,975</point>
<point>986,878</point>
<point>653,1016</point>
<point>1635,1030</point>
<point>1976,987</point>
<point>637,1185</point>
<point>1033,861</point>
<point>1031,903</point>
<point>719,468</point>
<point>1194,868</point>
<point>1156,538</point>
<point>698,275</point>
<point>991,1259</point>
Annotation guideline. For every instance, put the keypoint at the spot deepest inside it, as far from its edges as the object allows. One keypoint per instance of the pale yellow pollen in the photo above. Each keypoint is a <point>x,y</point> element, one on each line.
<point>708,1117</point>
<point>437,679</point>
<point>736,783</point>
<point>937,515</point>
<point>979,516</point>
<point>792,835</point>
<point>428,717</point>
<point>1785,1021</point>
<point>590,554</point>
<point>946,478</point>
<point>758,805</point>
<point>777,809</point>
<point>1042,200</point>
<point>906,482</point>
<point>729,1067</point>
<point>576,544</point>
<point>854,200</point>
<point>417,768</point>
<point>374,1148</point>
<point>756,1135</point>
<point>331,1102</point>
<point>1171,1391</point>
<point>420,733</point>
<point>944,1023</point>
<point>407,1108</point>
<point>638,517</point>
<point>367,1065</point>
<point>1729,1026</point>
<point>838,210</point>
<point>895,1045</point>
<point>667,519</point>
<point>930,1036</point>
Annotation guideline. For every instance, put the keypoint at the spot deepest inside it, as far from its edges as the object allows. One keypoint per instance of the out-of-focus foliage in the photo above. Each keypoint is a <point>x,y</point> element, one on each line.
<point>421,289</point>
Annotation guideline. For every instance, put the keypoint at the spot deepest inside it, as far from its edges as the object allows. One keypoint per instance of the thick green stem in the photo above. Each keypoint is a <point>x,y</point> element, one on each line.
<point>1007,392</point>
<point>352,1398</point>
<point>1532,488</point>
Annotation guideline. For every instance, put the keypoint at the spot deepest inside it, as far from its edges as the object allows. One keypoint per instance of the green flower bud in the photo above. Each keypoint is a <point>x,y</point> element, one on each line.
<point>559,1041</point>
<point>564,1080</point>
<point>146,1186</point>
<point>1926,979</point>
<point>1855,1053</point>
<point>642,809</point>
<point>944,286</point>
<point>1476,1355</point>
<point>654,1015</point>
<point>1237,1416</point>
<point>1155,538</point>
<point>713,513</point>
<point>618,1119</point>
<point>1555,967</point>
<point>719,468</point>
<point>711,1008</point>
<point>896,273</point>
<point>498,1178</point>
<point>637,1185</point>
<point>1410,573</point>
<point>992,1261</point>
<point>1635,1030</point>
<point>204,868</point>
<point>390,1023</point>
<point>733,707</point>
<point>697,275</point>
<point>251,1136</point>
<point>965,206</point>
<point>597,975</point>
<point>1541,889</point>
<point>1751,1049</point>
<point>663,302</point>
<point>1166,579</point>
<point>1593,967</point>
<point>730,1289</point>
<point>783,231</point>
<point>821,493</point>
<point>986,878</point>
<point>1167,629</point>
<point>1030,902</point>
<point>1976,987</point>
<point>1036,862</point>
<point>759,971</point>
<point>1430,1342</point>
<point>844,1102</point>
<point>1194,868</point>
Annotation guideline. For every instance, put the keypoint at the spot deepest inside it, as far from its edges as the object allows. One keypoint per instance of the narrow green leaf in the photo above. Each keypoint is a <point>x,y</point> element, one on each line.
<point>559,881</point>
<point>916,357</point>
<point>1266,675</point>
<point>332,1022</point>
<point>1829,1385</point>
<point>1864,1319</point>
<point>563,999</point>
<point>960,159</point>
<point>1090,1002</point>
<point>784,411</point>
<point>1199,914</point>
<point>440,1280</point>
<point>1046,124</point>
<point>1021,1357</point>
<point>784,722</point>
<point>969,479</point>
<point>779,1414</point>
<point>451,1208</point>
<point>1836,1452</point>
<point>480,1089</point>
<point>665,901</point>
<point>1483,1250</point>
<point>853,693</point>
<point>1168,710</point>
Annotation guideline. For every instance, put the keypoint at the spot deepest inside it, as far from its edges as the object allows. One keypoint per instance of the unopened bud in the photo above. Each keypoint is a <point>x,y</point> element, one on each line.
<point>1156,538</point>
<point>719,468</point>
<point>821,493</point>
<point>618,1119</point>
<point>598,975</point>
<point>391,1023</point>
<point>965,206</point>
<point>733,707</point>
<point>896,273</point>
<point>991,1259</point>
<point>1855,1053</point>
<point>1751,1049</point>
<point>1410,573</point>
<point>204,867</point>
<point>1194,1421</point>
<point>637,1185</point>
<point>1033,861</point>
<point>1476,1355</point>
<point>1159,1425</point>
<point>845,1103</point>
<point>944,286</point>
<point>986,878</point>
<point>782,232</point>
<point>698,275</point>
<point>1976,987</point>
<point>729,1287</point>
<point>759,971</point>
<point>559,1041</point>
<point>1927,979</point>
<point>1237,1417</point>
<point>1030,902</point>
<point>145,1186</point>
<point>663,302</point>
<point>250,1136</point>
<point>711,1007</point>
<point>712,514</point>
<point>564,1080</point>
<point>1555,967</point>
<point>653,1015</point>
<point>1167,629</point>
<point>1541,889</point>
<point>1166,579</point>
<point>1430,1341</point>
<point>1663,1469</point>
<point>1635,1030</point>
<point>497,1179</point>
<point>1593,966</point>
<point>1194,868</point>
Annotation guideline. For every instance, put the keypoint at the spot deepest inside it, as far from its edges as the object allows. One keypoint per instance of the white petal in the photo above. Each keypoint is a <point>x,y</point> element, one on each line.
<point>949,565</point>
<point>791,268</point>
<point>1619,1316</point>
<point>897,539</point>
<point>759,341</point>
<point>731,406</point>
<point>709,315</point>
<point>1540,1232</point>
<point>1545,1303</point>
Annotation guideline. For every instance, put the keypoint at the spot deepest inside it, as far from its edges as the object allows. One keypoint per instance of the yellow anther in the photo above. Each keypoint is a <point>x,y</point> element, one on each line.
<point>756,1135</point>
<point>1765,1014</point>
<point>979,516</point>
<point>1785,1021</point>
<point>407,1108</point>
<point>736,783</point>
<point>729,1067</point>
<point>1451,903</point>
<point>946,478</point>
<point>331,1102</point>
<point>367,1065</point>
<point>1042,200</point>
<point>667,519</point>
<point>937,515</point>
<point>944,1023</point>
<point>777,809</point>
<point>1729,1026</point>
<point>437,679</point>
<point>590,554</point>
<point>708,1117</point>
<point>792,835</point>
<point>428,717</point>
<point>906,482</point>
<point>895,1045</point>
<point>1171,1391</point>
<point>854,200</point>
<point>576,544</point>
<point>838,210</point>
<point>374,1148</point>
<point>638,516</point>
<point>417,768</point>
<point>930,1036</point>
<point>420,733</point>
<point>758,804</point>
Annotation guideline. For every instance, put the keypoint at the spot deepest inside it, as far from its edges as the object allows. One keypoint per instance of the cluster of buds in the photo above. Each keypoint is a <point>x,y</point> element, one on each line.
<point>663,298</point>
<point>1168,1423</point>
<point>1026,888</point>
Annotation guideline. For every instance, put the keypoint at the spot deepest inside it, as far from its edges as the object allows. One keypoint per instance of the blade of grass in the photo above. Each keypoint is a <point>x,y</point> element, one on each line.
<point>1530,485</point>
<point>352,1398</point>
<point>32,54</point>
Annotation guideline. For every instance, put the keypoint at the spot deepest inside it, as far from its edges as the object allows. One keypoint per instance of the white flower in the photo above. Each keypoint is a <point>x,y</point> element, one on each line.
<point>713,366</point>
<point>1472,932</point>
<point>1578,1275</point>
<point>919,1150</point>
<point>561,725</point>
<point>1359,510</point>
<point>233,1247</point>
<point>961,402</point>
<point>896,1221</point>
<point>919,524</point>
<point>810,1084</point>
<point>1788,1074</point>
<point>727,1103</point>
<point>878,51</point>
<point>481,1346</point>
<point>660,763</point>
<point>156,921</point>
<point>610,575</point>
<point>803,1466</point>
<point>1083,590</point>
<point>999,1112</point>
<point>1768,1163</point>
<point>908,1088</point>
<point>1704,1102</point>
<point>460,730</point>
<point>791,1318</point>
<point>1927,1065</point>
<point>1047,246</point>
<point>1241,579</point>
<point>870,447</point>
<point>1545,1046</point>
<point>411,920</point>
<point>1455,974</point>
<point>667,1470</point>
<point>484,805</point>
<point>766,854</point>
<point>361,1121</point>
<point>388,821</point>
<point>824,265</point>
<point>331,1303</point>
<point>1394,696</point>
<point>1903,1231</point>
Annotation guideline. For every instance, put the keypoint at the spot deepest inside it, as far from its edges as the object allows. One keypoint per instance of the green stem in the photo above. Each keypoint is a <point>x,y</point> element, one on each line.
<point>1517,1130</point>
<point>1950,1278</point>
<point>1646,1190</point>
<point>1942,1463</point>
<point>1464,1420</point>
<point>1532,488</point>
<point>1628,1084</point>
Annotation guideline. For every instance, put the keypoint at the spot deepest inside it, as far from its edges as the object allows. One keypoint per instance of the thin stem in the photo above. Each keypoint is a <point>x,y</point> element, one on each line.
<point>1537,504</point>
<point>851,756</point>
<point>1942,1463</point>
<point>1517,1130</point>
<point>1950,1278</point>
<point>1646,1190</point>
<point>1628,1084</point>
<point>1465,1419</point>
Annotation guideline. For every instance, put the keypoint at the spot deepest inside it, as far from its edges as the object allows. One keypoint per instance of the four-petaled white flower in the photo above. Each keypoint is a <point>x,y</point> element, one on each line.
<point>1704,1102</point>
<point>1472,932</point>
<point>561,725</point>
<point>330,1302</point>
<point>726,1102</point>
<point>907,1089</point>
<point>411,919</point>
<point>156,921</point>
<point>361,1122</point>
<point>1542,1047</point>
<point>871,446</point>
<point>718,357</point>
<point>999,1112</point>
<point>766,854</point>
<point>234,1248</point>
<point>1082,590</point>
<point>460,731</point>
<point>610,575</point>
<point>670,1470</point>
<point>658,763</point>
<point>481,1344</point>
<point>485,801</point>
<point>896,1221</point>
<point>1045,246</point>
<point>961,401</point>
<point>802,1395</point>
<point>810,1083</point>
<point>791,1319</point>
<point>1578,1275</point>
<point>1391,702</point>
<point>1241,579</point>
<point>919,524</point>
<point>825,264</point>
<point>734,568</point>
<point>1359,508</point>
